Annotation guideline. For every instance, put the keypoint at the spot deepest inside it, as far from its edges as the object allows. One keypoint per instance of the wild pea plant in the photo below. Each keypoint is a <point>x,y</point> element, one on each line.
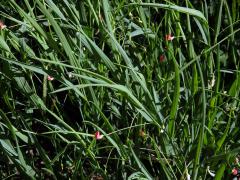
<point>119,89</point>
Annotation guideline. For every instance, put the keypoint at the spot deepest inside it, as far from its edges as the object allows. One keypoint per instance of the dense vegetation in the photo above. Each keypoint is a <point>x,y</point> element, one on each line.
<point>124,89</point>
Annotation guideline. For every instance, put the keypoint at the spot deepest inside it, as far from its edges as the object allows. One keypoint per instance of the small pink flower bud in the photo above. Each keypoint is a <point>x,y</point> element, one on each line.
<point>162,58</point>
<point>142,133</point>
<point>169,37</point>
<point>50,78</point>
<point>2,25</point>
<point>98,136</point>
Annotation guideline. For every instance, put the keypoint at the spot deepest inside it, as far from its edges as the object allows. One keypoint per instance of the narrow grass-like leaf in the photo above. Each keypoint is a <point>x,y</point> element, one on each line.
<point>107,61</point>
<point>3,44</point>
<point>174,107</point>
<point>140,165</point>
<point>185,10</point>
<point>61,36</point>
<point>53,6</point>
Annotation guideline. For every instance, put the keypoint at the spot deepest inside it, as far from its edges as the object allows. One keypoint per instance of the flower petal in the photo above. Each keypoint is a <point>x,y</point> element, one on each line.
<point>50,78</point>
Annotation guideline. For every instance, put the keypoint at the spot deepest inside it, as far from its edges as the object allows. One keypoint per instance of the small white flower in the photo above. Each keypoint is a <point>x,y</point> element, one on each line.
<point>162,130</point>
<point>130,14</point>
<point>211,83</point>
<point>140,21</point>
<point>70,75</point>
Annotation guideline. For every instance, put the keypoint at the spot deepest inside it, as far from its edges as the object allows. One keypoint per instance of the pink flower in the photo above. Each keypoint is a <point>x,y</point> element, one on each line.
<point>169,37</point>
<point>50,78</point>
<point>2,25</point>
<point>98,136</point>
<point>162,58</point>
<point>235,171</point>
